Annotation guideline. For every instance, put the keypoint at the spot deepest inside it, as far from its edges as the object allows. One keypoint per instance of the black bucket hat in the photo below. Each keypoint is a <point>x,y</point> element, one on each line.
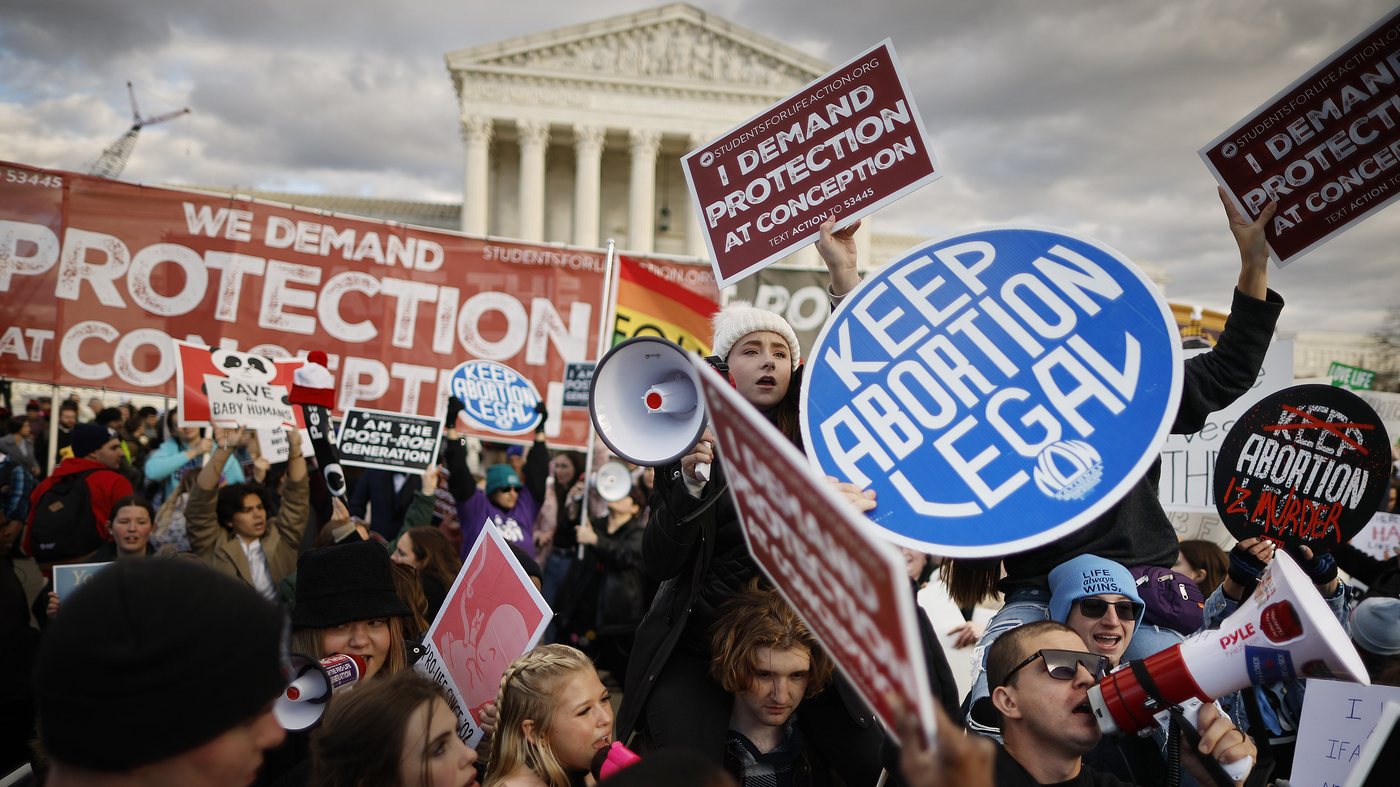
<point>345,583</point>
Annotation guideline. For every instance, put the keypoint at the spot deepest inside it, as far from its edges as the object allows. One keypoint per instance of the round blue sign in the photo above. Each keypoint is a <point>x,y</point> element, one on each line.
<point>998,389</point>
<point>495,397</point>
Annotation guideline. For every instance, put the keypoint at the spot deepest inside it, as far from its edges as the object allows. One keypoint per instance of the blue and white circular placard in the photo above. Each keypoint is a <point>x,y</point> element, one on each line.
<point>495,397</point>
<point>998,388</point>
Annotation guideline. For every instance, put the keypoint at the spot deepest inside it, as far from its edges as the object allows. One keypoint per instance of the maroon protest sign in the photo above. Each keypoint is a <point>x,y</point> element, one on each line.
<point>842,147</point>
<point>1326,147</point>
<point>846,583</point>
<point>1306,466</point>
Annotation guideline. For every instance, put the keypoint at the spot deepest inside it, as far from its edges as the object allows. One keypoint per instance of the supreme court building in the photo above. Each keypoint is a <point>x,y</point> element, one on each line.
<point>575,135</point>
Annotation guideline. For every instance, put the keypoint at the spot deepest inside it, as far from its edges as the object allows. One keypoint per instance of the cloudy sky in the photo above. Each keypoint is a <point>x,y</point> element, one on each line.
<point>1084,115</point>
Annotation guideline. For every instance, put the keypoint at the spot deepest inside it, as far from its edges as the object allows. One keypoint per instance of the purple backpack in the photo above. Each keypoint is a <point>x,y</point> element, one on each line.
<point>1173,600</point>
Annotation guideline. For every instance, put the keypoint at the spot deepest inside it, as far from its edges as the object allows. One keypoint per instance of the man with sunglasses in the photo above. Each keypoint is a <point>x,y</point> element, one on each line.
<point>1041,676</point>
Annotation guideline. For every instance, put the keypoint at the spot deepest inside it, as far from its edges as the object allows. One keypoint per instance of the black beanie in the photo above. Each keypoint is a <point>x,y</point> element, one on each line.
<point>153,658</point>
<point>90,437</point>
<point>345,583</point>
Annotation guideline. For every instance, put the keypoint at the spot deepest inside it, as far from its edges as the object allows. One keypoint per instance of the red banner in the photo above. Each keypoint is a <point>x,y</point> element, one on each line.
<point>99,275</point>
<point>844,146</point>
<point>846,582</point>
<point>1325,148</point>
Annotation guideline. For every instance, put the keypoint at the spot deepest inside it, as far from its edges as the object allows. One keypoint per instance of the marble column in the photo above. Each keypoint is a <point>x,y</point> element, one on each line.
<point>534,140</point>
<point>588,156</point>
<point>694,227</point>
<point>641,218</point>
<point>476,135</point>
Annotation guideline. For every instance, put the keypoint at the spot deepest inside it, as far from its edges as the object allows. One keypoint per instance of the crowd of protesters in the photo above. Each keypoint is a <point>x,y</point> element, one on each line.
<point>667,637</point>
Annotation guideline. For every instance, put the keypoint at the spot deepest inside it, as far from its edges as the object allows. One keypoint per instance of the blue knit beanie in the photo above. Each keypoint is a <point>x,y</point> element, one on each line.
<point>1088,575</point>
<point>498,476</point>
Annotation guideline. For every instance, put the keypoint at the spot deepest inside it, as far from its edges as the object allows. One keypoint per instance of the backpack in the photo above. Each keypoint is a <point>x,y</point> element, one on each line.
<point>64,525</point>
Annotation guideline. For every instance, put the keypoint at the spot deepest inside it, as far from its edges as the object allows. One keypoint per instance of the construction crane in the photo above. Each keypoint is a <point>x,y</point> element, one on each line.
<point>113,159</point>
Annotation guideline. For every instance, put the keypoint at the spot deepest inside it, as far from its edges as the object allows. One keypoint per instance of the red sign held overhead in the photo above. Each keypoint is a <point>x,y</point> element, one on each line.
<point>1326,147</point>
<point>846,583</point>
<point>842,147</point>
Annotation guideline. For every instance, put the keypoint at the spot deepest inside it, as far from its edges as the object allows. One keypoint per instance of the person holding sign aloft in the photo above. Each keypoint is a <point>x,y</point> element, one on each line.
<point>695,545</point>
<point>1135,531</point>
<point>510,504</point>
<point>230,528</point>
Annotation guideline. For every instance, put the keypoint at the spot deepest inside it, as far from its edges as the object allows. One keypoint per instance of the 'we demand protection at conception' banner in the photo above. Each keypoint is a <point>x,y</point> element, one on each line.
<point>99,275</point>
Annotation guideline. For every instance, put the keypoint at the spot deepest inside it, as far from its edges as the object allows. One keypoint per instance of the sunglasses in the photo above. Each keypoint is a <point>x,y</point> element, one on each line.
<point>1095,608</point>
<point>508,489</point>
<point>1064,664</point>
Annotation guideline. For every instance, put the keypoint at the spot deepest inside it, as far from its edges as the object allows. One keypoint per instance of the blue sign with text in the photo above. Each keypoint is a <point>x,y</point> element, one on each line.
<point>998,389</point>
<point>495,397</point>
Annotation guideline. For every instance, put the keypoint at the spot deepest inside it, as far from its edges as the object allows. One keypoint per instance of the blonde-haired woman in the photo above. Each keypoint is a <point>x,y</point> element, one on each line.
<point>553,717</point>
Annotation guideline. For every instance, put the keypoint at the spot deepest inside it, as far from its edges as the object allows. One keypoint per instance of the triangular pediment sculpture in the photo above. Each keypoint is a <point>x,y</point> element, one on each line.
<point>676,43</point>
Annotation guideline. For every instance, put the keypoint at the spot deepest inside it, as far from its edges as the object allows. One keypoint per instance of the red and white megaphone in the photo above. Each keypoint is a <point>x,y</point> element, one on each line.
<point>1285,630</point>
<point>313,684</point>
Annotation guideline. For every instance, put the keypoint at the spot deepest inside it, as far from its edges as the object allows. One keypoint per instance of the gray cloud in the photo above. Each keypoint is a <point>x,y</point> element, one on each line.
<point>1080,114</point>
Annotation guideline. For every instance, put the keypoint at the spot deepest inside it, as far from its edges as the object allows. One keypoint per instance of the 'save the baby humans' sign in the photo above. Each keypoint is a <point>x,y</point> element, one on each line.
<point>1326,147</point>
<point>396,442</point>
<point>848,584</point>
<point>842,147</point>
<point>998,388</point>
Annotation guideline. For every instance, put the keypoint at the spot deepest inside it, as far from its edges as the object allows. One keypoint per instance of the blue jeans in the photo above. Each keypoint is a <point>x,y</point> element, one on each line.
<point>1023,605</point>
<point>556,568</point>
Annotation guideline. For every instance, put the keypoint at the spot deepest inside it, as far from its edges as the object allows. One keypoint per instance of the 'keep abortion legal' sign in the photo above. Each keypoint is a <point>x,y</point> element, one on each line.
<point>998,388</point>
<point>396,442</point>
<point>495,397</point>
<point>1326,147</point>
<point>842,147</point>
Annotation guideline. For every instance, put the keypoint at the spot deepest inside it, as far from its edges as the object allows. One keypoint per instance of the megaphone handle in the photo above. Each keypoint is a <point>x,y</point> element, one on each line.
<point>702,471</point>
<point>1235,771</point>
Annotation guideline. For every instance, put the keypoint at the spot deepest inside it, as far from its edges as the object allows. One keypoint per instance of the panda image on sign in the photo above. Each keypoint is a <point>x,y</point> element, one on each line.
<point>244,367</point>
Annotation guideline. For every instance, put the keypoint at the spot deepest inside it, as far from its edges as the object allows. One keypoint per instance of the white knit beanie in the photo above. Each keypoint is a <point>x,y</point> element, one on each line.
<point>741,318</point>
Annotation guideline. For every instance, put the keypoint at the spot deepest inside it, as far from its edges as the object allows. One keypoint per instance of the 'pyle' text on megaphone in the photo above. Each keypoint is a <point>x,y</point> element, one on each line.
<point>313,683</point>
<point>1283,631</point>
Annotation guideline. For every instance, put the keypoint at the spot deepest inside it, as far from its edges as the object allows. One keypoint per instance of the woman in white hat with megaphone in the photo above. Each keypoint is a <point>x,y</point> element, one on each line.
<point>694,544</point>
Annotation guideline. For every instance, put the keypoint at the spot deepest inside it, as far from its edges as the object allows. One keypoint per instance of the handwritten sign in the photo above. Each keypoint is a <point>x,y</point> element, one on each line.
<point>1380,538</point>
<point>71,576</point>
<point>395,442</point>
<point>492,615</point>
<point>274,446</point>
<point>1325,147</point>
<point>998,389</point>
<point>1306,466</point>
<point>1337,720</point>
<point>845,581</point>
<point>1188,460</point>
<point>842,147</point>
<point>1197,523</point>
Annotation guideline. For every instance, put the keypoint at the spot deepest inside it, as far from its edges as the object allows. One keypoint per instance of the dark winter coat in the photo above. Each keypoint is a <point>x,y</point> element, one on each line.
<point>609,586</point>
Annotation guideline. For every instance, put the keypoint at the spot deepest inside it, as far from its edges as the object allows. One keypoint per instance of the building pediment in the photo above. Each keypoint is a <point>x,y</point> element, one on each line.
<point>676,46</point>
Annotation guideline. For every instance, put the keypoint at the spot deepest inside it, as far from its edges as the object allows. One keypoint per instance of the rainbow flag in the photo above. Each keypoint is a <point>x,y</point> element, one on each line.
<point>648,305</point>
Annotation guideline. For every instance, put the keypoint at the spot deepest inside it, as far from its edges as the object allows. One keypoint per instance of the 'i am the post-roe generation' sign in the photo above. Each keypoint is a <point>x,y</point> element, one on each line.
<point>998,388</point>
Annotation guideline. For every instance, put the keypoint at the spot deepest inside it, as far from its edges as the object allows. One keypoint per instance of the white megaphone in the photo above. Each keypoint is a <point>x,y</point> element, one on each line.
<point>313,683</point>
<point>613,482</point>
<point>646,402</point>
<point>1284,630</point>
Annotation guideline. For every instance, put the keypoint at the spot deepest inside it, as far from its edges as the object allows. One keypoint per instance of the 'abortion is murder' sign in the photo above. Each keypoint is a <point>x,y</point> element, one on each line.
<point>1305,466</point>
<point>842,147</point>
<point>389,441</point>
<point>1326,147</point>
<point>998,388</point>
